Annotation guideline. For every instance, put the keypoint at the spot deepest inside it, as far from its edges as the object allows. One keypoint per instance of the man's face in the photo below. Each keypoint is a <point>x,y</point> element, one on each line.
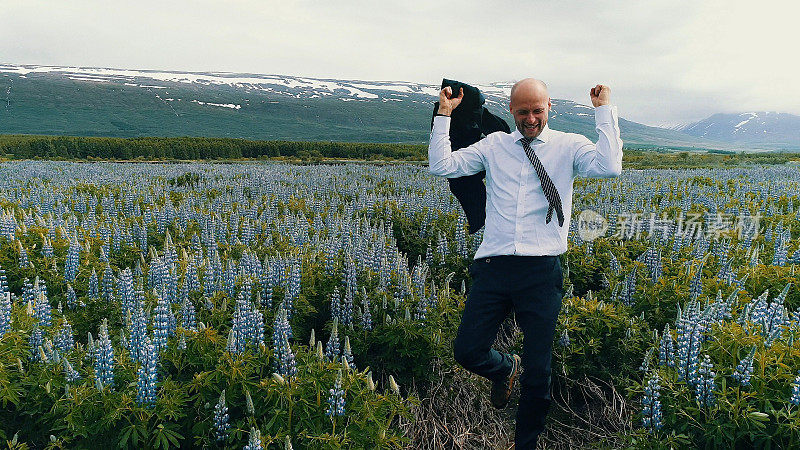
<point>530,108</point>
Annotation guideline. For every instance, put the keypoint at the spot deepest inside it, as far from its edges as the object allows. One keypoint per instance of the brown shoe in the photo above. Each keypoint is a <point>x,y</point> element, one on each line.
<point>501,389</point>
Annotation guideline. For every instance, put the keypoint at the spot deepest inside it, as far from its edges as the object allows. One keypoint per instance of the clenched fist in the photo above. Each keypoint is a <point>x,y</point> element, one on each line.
<point>447,103</point>
<point>600,95</point>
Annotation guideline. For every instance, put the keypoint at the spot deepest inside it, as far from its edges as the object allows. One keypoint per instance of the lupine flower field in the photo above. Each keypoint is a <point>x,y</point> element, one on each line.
<point>260,305</point>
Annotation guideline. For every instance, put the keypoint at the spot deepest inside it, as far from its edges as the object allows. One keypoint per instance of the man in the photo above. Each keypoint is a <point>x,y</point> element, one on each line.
<point>529,178</point>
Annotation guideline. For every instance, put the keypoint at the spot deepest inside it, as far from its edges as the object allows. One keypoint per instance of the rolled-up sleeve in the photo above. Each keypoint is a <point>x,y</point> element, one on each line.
<point>604,159</point>
<point>444,162</point>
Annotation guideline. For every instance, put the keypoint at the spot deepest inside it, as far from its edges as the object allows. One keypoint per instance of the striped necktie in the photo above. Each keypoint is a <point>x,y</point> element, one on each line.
<point>548,187</point>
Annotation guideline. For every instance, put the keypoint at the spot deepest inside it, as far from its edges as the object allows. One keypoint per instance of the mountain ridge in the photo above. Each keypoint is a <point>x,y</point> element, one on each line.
<point>82,101</point>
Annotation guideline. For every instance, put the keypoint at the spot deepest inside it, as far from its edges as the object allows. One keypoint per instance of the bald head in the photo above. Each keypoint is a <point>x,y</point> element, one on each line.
<point>530,106</point>
<point>529,86</point>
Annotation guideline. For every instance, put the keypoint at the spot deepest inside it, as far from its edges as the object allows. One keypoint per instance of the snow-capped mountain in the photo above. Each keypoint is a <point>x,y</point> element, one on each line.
<point>88,101</point>
<point>760,128</point>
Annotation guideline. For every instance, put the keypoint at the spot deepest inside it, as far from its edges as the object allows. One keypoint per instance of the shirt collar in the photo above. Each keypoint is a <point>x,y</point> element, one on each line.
<point>543,137</point>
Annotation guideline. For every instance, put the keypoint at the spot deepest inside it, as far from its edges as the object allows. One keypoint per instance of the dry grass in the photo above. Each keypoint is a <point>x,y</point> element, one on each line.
<point>456,413</point>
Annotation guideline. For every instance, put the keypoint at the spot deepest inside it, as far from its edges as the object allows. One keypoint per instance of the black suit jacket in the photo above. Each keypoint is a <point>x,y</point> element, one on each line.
<point>468,122</point>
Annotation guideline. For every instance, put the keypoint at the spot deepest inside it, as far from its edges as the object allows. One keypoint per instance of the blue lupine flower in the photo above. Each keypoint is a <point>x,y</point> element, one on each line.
<point>266,297</point>
<point>35,342</point>
<point>255,440</point>
<point>137,328</point>
<point>23,257</point>
<point>248,326</point>
<point>108,284</point>
<point>795,398</point>
<point>629,287</point>
<point>705,385</point>
<point>689,330</point>
<point>64,340</point>
<point>666,349</point>
<point>564,340</point>
<point>28,292</point>
<point>188,320</point>
<point>336,305</point>
<point>615,267</point>
<point>5,305</point>
<point>146,384</point>
<point>696,284</point>
<point>336,398</point>
<point>72,261</point>
<point>347,354</point>
<point>284,357</point>
<point>127,295</point>
<point>221,417</point>
<point>41,306</point>
<point>745,369</point>
<point>72,298</point>
<point>47,248</point>
<point>366,315</point>
<point>104,358</point>
<point>293,289</point>
<point>191,280</point>
<point>161,324</point>
<point>70,374</point>
<point>94,287</point>
<point>651,405</point>
<point>332,349</point>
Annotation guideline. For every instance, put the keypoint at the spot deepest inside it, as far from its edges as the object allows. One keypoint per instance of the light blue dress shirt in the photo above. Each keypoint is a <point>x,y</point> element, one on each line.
<point>515,202</point>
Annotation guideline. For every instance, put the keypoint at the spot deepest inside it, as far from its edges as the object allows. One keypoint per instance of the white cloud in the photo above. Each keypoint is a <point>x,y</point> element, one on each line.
<point>667,61</point>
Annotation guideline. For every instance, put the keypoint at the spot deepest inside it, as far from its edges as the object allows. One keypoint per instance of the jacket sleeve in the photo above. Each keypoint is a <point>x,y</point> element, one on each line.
<point>444,162</point>
<point>604,159</point>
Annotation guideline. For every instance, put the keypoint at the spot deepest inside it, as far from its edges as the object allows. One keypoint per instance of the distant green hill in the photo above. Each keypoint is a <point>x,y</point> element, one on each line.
<point>115,103</point>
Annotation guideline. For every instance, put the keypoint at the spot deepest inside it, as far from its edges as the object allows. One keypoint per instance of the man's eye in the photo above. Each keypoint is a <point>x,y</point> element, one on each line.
<point>522,113</point>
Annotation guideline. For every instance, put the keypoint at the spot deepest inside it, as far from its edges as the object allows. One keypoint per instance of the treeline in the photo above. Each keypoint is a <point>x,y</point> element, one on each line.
<point>649,159</point>
<point>202,148</point>
<point>190,148</point>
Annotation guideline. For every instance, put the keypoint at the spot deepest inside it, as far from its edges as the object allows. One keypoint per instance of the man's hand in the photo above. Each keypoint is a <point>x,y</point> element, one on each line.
<point>447,103</point>
<point>600,95</point>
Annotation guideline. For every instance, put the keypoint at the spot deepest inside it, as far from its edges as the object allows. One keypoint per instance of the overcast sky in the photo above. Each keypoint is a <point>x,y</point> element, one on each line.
<point>666,61</point>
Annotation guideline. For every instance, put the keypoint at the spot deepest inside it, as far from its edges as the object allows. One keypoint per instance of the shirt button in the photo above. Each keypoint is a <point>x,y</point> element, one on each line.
<point>488,260</point>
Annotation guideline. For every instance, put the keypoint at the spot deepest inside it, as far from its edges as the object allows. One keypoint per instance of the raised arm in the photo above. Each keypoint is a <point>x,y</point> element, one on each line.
<point>442,161</point>
<point>604,159</point>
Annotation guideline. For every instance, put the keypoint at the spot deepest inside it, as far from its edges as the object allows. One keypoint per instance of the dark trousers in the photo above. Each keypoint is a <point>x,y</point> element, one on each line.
<point>531,286</point>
